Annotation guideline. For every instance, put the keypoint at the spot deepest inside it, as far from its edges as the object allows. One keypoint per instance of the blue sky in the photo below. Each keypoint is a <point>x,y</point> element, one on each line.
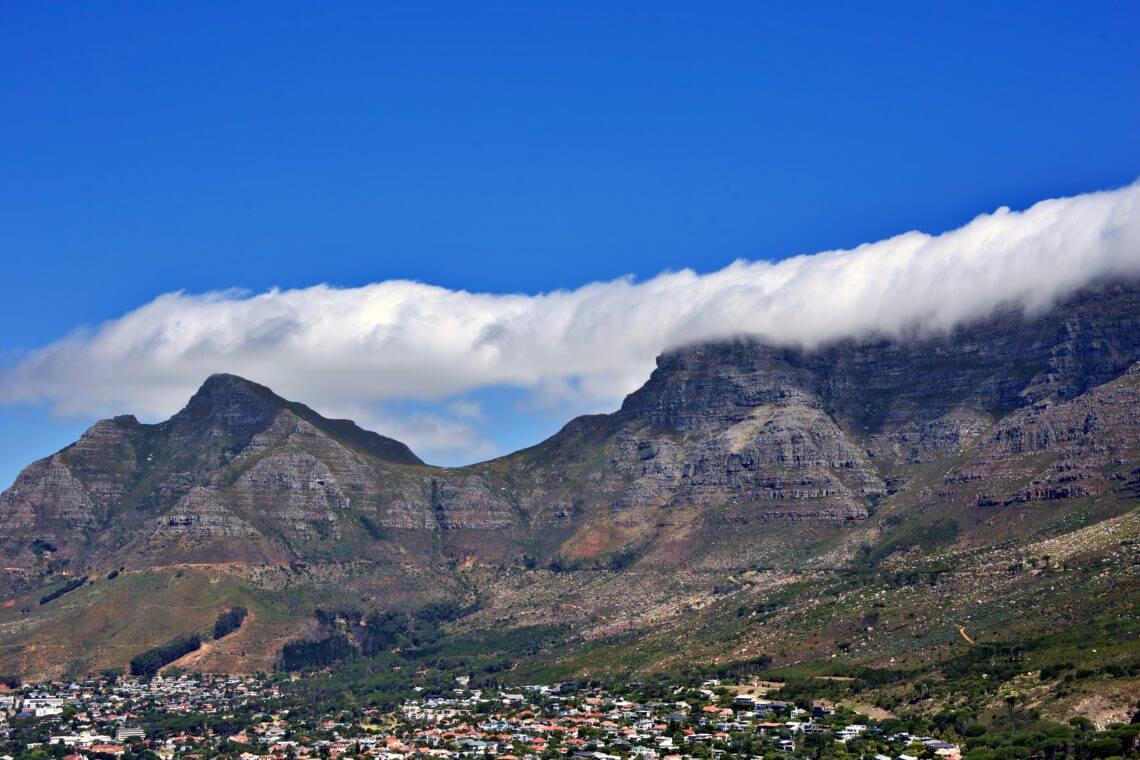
<point>515,147</point>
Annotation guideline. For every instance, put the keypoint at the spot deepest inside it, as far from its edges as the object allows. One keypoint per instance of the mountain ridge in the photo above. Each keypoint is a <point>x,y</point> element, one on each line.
<point>738,469</point>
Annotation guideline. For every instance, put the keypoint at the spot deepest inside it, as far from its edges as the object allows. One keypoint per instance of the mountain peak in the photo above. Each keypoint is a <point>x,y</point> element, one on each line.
<point>243,404</point>
<point>232,401</point>
<point>221,383</point>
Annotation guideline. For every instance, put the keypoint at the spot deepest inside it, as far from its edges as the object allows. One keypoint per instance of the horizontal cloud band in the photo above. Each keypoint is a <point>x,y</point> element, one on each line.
<point>345,348</point>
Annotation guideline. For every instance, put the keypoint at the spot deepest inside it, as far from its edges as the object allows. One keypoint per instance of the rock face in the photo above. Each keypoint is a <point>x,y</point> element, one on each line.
<point>237,461</point>
<point>201,513</point>
<point>825,434</point>
<point>732,454</point>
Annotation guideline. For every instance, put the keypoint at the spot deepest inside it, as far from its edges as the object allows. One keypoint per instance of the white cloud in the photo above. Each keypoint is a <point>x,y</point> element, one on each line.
<point>360,347</point>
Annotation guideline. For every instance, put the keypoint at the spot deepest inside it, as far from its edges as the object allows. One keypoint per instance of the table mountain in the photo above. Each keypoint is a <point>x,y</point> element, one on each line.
<point>740,467</point>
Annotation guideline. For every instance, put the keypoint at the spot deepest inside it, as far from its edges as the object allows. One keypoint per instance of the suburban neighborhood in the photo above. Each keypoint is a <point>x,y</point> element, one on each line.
<point>174,717</point>
<point>247,717</point>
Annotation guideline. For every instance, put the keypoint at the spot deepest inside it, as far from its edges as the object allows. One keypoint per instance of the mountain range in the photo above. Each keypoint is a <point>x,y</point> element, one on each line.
<point>887,501</point>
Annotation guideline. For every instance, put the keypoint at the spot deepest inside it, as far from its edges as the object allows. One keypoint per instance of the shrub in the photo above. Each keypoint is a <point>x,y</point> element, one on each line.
<point>375,530</point>
<point>623,559</point>
<point>41,547</point>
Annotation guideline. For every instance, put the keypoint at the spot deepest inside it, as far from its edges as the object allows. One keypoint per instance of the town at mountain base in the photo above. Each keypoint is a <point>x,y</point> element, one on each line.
<point>897,511</point>
<point>269,716</point>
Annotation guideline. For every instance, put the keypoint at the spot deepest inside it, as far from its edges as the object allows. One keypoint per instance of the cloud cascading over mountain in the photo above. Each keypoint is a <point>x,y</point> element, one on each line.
<point>348,348</point>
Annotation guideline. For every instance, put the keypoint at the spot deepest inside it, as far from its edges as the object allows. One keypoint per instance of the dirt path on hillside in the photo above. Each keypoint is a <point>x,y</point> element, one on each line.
<point>189,660</point>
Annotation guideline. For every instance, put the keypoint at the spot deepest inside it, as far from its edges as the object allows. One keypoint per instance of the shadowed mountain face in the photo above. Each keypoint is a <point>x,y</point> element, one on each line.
<point>733,456</point>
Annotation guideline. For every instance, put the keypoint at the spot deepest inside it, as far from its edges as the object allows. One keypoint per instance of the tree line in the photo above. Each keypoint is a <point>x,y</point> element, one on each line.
<point>147,664</point>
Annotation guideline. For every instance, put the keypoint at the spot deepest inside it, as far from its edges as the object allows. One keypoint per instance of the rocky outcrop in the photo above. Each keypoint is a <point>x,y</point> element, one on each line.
<point>1063,449</point>
<point>468,502</point>
<point>47,498</point>
<point>202,513</point>
<point>785,458</point>
<point>294,489</point>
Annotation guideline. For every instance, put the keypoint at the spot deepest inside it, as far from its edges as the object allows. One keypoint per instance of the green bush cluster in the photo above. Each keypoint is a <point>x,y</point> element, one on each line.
<point>71,585</point>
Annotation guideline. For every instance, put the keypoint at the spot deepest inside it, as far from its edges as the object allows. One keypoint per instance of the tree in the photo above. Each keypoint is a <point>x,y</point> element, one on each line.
<point>229,621</point>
